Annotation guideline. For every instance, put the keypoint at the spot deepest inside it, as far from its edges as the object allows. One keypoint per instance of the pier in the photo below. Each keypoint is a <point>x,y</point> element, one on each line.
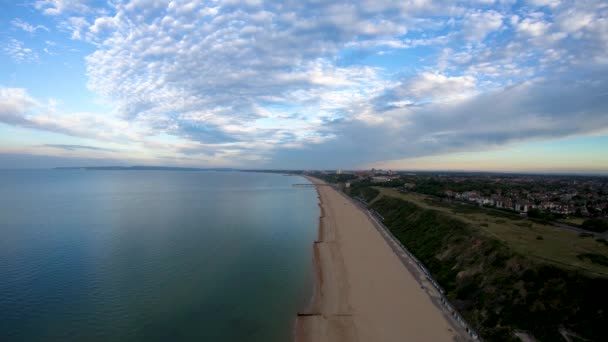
<point>309,185</point>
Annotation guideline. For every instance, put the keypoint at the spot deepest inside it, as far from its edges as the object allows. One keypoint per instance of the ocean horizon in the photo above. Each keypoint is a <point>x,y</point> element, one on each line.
<point>154,255</point>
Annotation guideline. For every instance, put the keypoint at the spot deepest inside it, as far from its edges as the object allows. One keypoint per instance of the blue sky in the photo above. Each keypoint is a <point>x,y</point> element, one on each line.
<point>450,85</point>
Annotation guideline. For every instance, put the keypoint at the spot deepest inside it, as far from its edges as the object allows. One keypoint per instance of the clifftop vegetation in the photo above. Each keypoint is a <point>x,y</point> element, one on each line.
<point>499,289</point>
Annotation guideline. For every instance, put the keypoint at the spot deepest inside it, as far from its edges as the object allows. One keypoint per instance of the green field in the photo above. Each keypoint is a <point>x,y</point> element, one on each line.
<point>577,221</point>
<point>544,242</point>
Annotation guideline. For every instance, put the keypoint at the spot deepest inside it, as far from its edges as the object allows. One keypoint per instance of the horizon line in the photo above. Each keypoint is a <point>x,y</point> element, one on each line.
<point>223,168</point>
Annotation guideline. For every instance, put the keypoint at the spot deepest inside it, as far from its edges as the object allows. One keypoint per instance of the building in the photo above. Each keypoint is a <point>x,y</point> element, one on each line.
<point>382,179</point>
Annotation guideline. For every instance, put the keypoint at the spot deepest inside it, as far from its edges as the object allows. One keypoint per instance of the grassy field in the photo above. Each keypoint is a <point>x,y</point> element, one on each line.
<point>577,221</point>
<point>540,241</point>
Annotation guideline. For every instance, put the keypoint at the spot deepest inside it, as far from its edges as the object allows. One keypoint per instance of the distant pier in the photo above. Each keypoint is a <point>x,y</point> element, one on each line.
<point>309,185</point>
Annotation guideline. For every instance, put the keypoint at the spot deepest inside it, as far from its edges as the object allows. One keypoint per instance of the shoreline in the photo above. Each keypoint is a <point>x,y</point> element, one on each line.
<point>361,289</point>
<point>311,308</point>
<point>316,275</point>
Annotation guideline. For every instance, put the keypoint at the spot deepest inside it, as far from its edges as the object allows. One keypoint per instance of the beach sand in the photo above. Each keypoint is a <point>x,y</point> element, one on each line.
<point>363,290</point>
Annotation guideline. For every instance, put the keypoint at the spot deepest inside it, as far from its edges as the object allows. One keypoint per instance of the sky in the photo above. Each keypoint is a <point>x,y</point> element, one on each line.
<point>489,85</point>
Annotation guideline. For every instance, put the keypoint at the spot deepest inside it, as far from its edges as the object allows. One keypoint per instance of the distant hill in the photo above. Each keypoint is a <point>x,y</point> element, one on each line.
<point>143,168</point>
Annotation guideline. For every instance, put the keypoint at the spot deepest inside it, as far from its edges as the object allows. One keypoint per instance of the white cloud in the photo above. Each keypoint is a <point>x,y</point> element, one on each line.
<point>28,27</point>
<point>478,24</point>
<point>57,7</point>
<point>18,108</point>
<point>573,21</point>
<point>205,78</point>
<point>435,87</point>
<point>14,102</point>
<point>256,81</point>
<point>548,3</point>
<point>533,27</point>
<point>76,25</point>
<point>19,52</point>
<point>102,24</point>
<point>533,110</point>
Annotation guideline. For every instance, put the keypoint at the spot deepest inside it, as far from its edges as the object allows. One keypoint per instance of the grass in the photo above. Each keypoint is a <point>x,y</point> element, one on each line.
<point>575,221</point>
<point>559,246</point>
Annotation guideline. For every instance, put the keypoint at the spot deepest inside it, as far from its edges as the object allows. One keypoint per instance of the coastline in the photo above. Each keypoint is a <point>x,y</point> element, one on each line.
<point>362,291</point>
<point>300,329</point>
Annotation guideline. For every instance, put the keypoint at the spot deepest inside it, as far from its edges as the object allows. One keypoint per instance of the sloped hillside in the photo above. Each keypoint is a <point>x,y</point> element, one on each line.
<point>497,290</point>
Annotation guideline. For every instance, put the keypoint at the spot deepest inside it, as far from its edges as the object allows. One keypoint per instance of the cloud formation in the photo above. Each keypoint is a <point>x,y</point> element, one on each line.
<point>18,108</point>
<point>17,50</point>
<point>27,27</point>
<point>307,83</point>
<point>58,7</point>
<point>78,147</point>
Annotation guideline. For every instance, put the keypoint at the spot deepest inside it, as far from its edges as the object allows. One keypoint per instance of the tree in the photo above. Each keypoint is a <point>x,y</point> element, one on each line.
<point>596,225</point>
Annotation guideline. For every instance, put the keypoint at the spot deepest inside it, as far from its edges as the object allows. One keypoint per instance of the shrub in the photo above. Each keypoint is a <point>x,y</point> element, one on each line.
<point>594,258</point>
<point>595,225</point>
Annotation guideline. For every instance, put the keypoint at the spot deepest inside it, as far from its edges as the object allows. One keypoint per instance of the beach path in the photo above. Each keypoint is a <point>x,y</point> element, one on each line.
<point>363,291</point>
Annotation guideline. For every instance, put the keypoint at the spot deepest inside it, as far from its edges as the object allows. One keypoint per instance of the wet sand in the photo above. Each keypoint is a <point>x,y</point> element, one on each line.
<point>363,290</point>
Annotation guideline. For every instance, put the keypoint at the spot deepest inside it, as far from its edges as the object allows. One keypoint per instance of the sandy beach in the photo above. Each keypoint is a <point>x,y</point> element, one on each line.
<point>363,290</point>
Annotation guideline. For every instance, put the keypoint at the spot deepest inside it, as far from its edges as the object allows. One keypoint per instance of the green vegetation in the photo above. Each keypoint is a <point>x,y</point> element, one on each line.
<point>366,193</point>
<point>437,185</point>
<point>455,207</point>
<point>559,246</point>
<point>501,276</point>
<point>595,225</point>
<point>333,177</point>
<point>543,215</point>
<point>573,221</point>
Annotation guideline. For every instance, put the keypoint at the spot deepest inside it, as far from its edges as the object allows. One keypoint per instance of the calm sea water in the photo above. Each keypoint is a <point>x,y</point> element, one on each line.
<point>153,255</point>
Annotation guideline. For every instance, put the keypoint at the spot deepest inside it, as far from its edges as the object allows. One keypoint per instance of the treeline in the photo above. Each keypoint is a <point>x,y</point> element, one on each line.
<point>544,215</point>
<point>364,192</point>
<point>595,225</point>
<point>436,186</point>
<point>333,177</point>
<point>495,289</point>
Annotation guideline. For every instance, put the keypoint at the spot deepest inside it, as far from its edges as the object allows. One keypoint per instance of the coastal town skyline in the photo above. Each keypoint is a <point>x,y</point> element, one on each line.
<point>505,85</point>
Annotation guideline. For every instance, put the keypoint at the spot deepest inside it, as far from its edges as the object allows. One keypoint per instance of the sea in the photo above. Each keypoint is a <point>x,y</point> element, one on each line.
<point>130,255</point>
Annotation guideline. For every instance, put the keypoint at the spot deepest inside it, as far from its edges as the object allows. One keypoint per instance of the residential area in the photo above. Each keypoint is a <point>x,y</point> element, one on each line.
<point>572,199</point>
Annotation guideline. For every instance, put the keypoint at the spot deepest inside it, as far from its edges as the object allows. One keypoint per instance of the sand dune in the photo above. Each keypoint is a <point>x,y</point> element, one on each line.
<point>364,292</point>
